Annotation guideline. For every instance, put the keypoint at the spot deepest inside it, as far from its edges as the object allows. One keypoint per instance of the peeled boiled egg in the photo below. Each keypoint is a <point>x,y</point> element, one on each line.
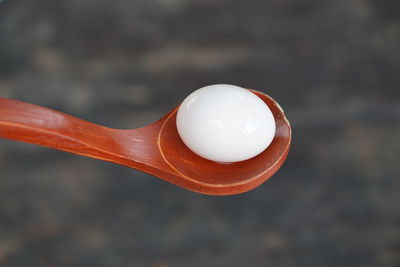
<point>225,123</point>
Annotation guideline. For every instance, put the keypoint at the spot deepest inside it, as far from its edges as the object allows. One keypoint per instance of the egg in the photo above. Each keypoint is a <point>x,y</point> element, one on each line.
<point>225,123</point>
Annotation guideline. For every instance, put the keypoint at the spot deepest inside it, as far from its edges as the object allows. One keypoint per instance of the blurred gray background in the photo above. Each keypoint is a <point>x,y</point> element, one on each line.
<point>334,67</point>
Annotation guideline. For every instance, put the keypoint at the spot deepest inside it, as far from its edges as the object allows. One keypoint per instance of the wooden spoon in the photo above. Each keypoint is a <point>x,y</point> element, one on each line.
<point>156,149</point>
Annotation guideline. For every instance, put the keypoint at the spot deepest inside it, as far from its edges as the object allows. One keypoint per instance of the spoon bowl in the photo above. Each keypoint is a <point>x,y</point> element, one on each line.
<point>156,149</point>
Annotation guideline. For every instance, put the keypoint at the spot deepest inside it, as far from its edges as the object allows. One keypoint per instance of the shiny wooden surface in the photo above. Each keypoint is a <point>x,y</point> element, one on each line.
<point>156,149</point>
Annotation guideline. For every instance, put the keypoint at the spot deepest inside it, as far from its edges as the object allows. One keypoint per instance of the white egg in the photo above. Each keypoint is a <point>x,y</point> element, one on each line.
<point>225,123</point>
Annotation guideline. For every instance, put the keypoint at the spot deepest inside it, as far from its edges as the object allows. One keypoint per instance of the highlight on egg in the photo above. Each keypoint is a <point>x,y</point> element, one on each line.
<point>225,123</point>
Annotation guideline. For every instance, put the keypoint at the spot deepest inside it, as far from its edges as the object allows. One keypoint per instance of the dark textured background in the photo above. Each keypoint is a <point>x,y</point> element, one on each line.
<point>333,65</point>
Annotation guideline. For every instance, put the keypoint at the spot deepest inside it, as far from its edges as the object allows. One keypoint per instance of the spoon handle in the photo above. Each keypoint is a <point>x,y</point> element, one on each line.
<point>42,126</point>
